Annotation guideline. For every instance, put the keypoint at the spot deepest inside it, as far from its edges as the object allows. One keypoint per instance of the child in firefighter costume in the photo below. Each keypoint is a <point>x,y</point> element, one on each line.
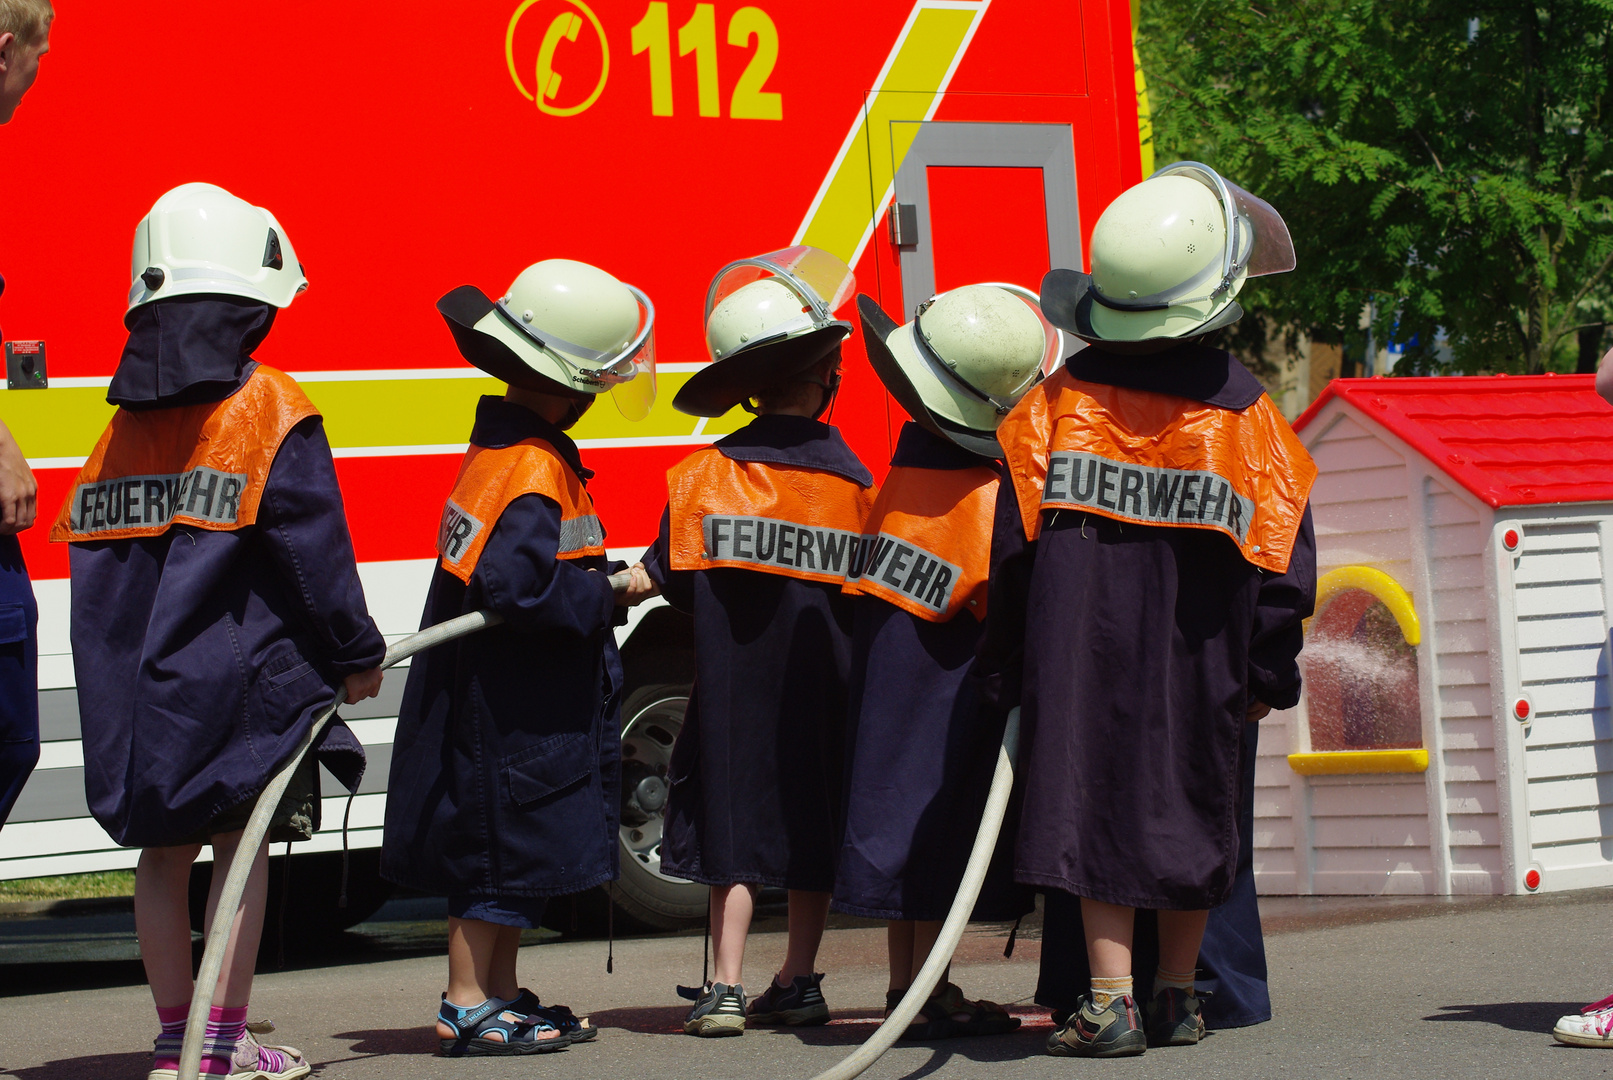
<point>756,541</point>
<point>1152,562</point>
<point>216,600</point>
<point>505,765</point>
<point>921,749</point>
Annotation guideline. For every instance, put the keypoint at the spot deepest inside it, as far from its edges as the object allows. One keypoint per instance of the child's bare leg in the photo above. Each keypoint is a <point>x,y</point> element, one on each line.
<point>1180,935</point>
<point>162,921</point>
<point>731,909</point>
<point>1108,929</point>
<point>501,974</point>
<point>925,935</point>
<point>809,915</point>
<point>241,957</point>
<point>899,946</point>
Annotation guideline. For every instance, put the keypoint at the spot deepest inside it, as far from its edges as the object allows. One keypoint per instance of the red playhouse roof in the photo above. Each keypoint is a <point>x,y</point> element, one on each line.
<point>1512,440</point>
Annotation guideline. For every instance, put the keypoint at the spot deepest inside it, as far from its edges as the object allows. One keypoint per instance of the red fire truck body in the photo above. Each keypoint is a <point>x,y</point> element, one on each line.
<point>411,147</point>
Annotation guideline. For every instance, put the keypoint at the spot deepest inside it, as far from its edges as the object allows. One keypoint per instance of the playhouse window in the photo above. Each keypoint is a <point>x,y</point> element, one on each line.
<point>1361,677</point>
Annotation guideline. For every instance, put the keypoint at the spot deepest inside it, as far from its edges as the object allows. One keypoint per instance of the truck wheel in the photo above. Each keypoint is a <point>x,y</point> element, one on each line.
<point>651,719</point>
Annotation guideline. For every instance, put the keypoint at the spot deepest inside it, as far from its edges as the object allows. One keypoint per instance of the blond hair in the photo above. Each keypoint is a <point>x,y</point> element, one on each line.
<point>27,19</point>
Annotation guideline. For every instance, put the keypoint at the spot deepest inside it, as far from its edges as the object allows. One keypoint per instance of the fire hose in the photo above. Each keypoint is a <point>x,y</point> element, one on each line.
<point>257,829</point>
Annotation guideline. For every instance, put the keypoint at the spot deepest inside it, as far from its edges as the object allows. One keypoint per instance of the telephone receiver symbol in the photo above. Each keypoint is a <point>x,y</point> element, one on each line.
<point>566,25</point>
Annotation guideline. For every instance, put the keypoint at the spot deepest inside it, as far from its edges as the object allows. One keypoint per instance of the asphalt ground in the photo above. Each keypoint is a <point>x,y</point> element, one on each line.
<point>1362,988</point>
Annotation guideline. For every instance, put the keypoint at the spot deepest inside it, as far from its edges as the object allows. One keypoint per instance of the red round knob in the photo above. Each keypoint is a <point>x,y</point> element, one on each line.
<point>1520,708</point>
<point>1531,880</point>
<point>1510,539</point>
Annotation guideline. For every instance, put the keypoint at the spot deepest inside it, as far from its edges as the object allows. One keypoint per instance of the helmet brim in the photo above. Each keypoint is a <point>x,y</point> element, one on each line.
<point>723,384</point>
<point>877,329</point>
<point>467,311</point>
<point>1068,299</point>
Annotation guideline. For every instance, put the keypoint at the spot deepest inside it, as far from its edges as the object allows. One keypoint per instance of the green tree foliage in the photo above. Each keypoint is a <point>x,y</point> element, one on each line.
<point>1448,162</point>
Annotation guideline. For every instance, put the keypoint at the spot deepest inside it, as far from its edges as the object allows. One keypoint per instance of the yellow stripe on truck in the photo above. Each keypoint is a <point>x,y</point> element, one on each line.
<point>62,423</point>
<point>841,218</point>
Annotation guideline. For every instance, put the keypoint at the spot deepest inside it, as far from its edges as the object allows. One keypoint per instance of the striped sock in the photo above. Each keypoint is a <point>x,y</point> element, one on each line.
<point>171,1041</point>
<point>1106,990</point>
<point>1181,980</point>
<point>225,1027</point>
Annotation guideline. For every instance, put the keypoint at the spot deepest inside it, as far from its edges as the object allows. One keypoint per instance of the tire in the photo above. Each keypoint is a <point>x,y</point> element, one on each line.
<point>651,719</point>
<point>312,913</point>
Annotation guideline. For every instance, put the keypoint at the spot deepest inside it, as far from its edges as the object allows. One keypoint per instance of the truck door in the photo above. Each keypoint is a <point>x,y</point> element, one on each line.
<point>979,202</point>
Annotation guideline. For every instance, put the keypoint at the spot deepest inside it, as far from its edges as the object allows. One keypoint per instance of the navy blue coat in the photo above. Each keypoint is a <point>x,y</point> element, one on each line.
<point>920,747</point>
<point>1135,651</point>
<point>19,672</point>
<point>756,771</point>
<point>203,657</point>
<point>506,764</point>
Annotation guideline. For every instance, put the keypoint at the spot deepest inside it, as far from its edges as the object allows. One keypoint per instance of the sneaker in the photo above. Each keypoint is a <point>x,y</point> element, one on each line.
<point>719,1011</point>
<point>800,1004</point>
<point>1116,1031</point>
<point>1593,1026</point>
<point>1173,1018</point>
<point>253,1060</point>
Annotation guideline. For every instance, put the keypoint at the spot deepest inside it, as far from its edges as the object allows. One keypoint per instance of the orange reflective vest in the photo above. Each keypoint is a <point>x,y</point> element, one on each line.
<point>1158,459</point>
<point>199,465</point>
<point>490,479</point>
<point>801,523</point>
<point>927,545</point>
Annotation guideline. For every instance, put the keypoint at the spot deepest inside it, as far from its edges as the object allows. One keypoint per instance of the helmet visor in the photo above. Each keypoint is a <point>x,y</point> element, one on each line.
<point>822,281</point>
<point>635,394</point>
<point>1258,239</point>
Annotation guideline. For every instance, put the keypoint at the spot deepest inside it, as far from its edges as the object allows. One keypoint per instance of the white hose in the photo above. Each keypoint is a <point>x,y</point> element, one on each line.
<point>974,876</point>
<point>257,828</point>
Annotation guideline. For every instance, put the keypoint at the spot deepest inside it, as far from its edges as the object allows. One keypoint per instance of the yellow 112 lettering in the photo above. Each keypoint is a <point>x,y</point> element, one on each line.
<point>749,100</point>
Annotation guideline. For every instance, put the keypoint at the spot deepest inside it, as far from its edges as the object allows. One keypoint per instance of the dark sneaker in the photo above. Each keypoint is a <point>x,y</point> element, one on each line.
<point>800,1004</point>
<point>720,1010</point>
<point>1113,1032</point>
<point>1173,1018</point>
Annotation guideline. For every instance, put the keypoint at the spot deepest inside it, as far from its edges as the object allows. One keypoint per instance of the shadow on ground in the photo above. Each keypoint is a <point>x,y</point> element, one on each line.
<point>94,1067</point>
<point>1536,1016</point>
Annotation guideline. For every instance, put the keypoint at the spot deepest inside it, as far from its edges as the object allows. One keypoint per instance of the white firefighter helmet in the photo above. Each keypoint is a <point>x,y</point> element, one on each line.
<point>562,327</point>
<point>199,238</point>
<point>768,320</point>
<point>965,360</point>
<point>1169,257</point>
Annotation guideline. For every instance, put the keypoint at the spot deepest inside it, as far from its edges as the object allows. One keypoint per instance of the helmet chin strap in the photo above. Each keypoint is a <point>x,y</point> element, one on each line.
<point>574,412</point>
<point>831,393</point>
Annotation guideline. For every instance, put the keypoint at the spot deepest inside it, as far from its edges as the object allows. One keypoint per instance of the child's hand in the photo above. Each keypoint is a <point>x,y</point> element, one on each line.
<point>17,488</point>
<point>365,684</point>
<point>1256,711</point>
<point>639,589</point>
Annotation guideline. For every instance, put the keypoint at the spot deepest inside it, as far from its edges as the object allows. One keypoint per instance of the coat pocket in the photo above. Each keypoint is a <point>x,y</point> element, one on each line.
<point>549,768</point>
<point>13,624</point>
<point>284,666</point>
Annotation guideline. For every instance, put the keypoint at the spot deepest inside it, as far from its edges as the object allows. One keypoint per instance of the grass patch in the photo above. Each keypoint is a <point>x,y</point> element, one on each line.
<point>68,887</point>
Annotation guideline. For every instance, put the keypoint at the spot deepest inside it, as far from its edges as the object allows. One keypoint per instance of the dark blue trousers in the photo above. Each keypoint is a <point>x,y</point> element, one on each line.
<point>19,675</point>
<point>1232,960</point>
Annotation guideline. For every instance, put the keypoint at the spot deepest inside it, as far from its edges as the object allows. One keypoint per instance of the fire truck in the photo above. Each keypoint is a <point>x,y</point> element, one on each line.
<point>412,147</point>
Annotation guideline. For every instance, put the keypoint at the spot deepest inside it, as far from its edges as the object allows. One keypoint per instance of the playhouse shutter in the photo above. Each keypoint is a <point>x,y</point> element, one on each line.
<point>1560,665</point>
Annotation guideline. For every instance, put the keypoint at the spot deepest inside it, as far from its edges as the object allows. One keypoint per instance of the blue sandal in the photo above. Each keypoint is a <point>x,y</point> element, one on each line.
<point>560,1016</point>
<point>518,1031</point>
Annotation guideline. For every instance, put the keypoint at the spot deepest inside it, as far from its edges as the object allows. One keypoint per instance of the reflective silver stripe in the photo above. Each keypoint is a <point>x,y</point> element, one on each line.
<point>1146,493</point>
<point>456,532</point>
<point>901,566</point>
<point>581,532</point>
<point>140,502</point>
<point>781,544</point>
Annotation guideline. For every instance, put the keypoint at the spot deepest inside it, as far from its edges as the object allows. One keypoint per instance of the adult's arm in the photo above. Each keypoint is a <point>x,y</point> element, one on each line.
<point>1286,600</point>
<point>520,575</point>
<point>18,491</point>
<point>1000,659</point>
<point>305,527</point>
